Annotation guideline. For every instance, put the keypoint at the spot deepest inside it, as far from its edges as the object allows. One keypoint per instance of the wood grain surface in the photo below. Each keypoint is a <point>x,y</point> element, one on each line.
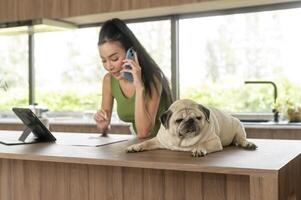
<point>52,171</point>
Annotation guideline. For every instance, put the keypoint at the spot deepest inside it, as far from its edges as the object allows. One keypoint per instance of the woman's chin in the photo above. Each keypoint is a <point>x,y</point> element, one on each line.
<point>116,75</point>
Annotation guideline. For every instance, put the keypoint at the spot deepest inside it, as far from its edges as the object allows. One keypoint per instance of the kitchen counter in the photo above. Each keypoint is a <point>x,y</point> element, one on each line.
<point>273,125</point>
<point>67,124</point>
<point>80,125</point>
<point>272,130</point>
<point>54,171</point>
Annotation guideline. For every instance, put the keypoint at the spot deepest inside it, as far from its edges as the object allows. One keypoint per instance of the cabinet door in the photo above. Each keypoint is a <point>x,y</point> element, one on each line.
<point>30,9</point>
<point>56,8</point>
<point>79,7</point>
<point>8,10</point>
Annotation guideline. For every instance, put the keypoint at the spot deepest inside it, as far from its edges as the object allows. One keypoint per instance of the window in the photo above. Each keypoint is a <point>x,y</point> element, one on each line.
<point>13,71</point>
<point>219,53</point>
<point>68,68</point>
<point>155,37</point>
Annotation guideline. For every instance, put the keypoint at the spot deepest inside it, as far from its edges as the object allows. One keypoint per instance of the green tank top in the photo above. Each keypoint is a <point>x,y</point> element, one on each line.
<point>126,107</point>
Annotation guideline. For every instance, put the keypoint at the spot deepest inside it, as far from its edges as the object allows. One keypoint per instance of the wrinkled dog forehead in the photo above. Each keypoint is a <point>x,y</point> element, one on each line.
<point>182,104</point>
<point>187,112</point>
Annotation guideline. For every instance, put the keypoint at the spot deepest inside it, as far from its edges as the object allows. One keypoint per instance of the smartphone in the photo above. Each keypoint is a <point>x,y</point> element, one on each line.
<point>130,54</point>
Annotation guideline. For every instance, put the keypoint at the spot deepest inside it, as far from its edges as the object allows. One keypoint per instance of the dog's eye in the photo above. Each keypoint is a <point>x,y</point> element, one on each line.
<point>199,118</point>
<point>179,120</point>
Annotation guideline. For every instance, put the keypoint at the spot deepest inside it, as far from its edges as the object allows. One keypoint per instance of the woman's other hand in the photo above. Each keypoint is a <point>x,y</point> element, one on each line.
<point>102,120</point>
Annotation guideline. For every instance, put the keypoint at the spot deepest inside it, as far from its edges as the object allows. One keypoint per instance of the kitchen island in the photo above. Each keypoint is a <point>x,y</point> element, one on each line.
<point>57,171</point>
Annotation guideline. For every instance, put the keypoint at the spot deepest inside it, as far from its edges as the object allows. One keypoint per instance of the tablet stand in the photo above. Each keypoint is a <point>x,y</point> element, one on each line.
<point>25,134</point>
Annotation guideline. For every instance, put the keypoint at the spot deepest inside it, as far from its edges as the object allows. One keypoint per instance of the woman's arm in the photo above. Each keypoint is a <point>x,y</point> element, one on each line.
<point>103,116</point>
<point>146,109</point>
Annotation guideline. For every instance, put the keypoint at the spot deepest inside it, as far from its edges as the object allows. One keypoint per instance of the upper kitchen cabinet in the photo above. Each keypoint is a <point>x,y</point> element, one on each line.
<point>79,7</point>
<point>8,10</point>
<point>30,9</point>
<point>56,9</point>
<point>93,11</point>
<point>15,10</point>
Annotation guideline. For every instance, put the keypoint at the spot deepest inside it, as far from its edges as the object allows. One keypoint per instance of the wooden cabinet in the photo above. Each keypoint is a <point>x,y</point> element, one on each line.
<point>14,10</point>
<point>57,171</point>
<point>88,7</point>
<point>56,9</point>
<point>30,9</point>
<point>274,133</point>
<point>8,10</point>
<point>70,127</point>
<point>78,7</point>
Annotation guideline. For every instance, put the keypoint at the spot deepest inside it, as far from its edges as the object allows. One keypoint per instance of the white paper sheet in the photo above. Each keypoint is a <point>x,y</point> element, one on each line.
<point>92,140</point>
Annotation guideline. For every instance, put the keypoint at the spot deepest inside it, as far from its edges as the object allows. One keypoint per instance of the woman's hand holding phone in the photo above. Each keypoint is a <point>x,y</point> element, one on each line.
<point>130,55</point>
<point>131,69</point>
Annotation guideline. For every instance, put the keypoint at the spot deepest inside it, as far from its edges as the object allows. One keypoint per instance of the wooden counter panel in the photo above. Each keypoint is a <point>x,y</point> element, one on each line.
<point>262,133</point>
<point>32,180</point>
<point>232,160</point>
<point>290,180</point>
<point>74,128</point>
<point>266,133</point>
<point>55,171</point>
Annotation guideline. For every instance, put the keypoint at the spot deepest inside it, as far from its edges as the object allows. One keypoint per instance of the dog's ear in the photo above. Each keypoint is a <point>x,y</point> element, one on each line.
<point>205,110</point>
<point>164,118</point>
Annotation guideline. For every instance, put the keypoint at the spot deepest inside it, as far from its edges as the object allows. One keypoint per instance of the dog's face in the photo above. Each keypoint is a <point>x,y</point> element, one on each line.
<point>185,118</point>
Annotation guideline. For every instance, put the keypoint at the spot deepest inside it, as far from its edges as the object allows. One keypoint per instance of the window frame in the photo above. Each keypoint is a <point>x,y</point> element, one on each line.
<point>174,20</point>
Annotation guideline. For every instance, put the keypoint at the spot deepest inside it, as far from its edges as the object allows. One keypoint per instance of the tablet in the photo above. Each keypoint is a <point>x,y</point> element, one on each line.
<point>33,125</point>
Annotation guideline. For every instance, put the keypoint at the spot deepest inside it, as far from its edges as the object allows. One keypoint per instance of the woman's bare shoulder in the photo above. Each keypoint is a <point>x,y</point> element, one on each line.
<point>107,78</point>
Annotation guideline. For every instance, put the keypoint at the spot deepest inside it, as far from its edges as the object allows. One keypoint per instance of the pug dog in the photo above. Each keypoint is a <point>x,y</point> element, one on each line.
<point>189,126</point>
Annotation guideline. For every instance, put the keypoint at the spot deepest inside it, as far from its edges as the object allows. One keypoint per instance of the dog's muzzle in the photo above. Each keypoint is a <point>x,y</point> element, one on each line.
<point>189,128</point>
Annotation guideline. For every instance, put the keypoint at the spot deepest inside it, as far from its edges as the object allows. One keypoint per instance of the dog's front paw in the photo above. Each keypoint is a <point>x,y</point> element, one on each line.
<point>199,152</point>
<point>250,146</point>
<point>134,148</point>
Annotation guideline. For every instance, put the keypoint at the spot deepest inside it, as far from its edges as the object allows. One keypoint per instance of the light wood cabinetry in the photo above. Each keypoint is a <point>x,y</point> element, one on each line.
<point>70,127</point>
<point>56,8</point>
<point>8,10</point>
<point>274,133</point>
<point>30,9</point>
<point>78,7</point>
<point>55,171</point>
<point>288,133</point>
<point>13,10</point>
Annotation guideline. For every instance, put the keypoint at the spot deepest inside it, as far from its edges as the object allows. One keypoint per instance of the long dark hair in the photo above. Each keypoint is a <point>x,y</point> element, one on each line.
<point>116,30</point>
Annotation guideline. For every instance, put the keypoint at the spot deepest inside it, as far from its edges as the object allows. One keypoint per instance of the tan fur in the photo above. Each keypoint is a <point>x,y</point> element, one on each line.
<point>201,136</point>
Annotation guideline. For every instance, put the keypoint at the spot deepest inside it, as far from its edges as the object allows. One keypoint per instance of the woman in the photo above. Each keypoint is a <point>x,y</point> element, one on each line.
<point>140,101</point>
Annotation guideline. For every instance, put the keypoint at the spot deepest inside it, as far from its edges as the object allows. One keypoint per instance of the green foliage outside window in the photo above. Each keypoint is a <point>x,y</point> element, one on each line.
<point>255,98</point>
<point>69,101</point>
